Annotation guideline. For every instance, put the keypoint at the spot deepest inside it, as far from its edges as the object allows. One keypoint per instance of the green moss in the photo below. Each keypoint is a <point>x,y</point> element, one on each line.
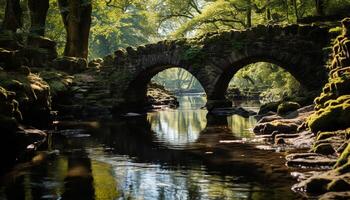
<point>340,85</point>
<point>333,117</point>
<point>287,107</point>
<point>325,135</point>
<point>265,108</point>
<point>3,94</point>
<point>323,98</point>
<point>192,53</point>
<point>30,95</point>
<point>344,157</point>
<point>345,99</point>
<point>58,81</point>
<point>336,30</point>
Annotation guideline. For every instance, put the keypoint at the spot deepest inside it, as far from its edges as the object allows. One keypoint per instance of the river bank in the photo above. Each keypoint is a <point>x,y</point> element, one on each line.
<point>320,132</point>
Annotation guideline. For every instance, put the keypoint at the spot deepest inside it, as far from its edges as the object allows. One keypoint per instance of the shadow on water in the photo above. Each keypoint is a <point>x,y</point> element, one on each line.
<point>171,154</point>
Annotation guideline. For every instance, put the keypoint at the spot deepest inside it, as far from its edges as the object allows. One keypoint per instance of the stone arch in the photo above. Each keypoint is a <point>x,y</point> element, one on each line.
<point>307,70</point>
<point>137,87</point>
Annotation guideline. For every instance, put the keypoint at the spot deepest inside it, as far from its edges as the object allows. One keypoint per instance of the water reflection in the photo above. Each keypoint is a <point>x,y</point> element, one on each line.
<point>240,126</point>
<point>179,128</point>
<point>135,159</point>
<point>79,180</point>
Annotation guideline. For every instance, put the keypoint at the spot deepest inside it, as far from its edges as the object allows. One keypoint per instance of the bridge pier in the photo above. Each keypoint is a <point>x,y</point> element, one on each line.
<point>216,120</point>
<point>217,103</point>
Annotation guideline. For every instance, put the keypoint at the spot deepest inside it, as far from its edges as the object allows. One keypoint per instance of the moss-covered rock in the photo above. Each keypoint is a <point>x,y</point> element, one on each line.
<point>277,127</point>
<point>268,107</point>
<point>158,95</point>
<point>334,117</point>
<point>70,64</point>
<point>287,107</point>
<point>31,94</point>
<point>325,135</point>
<point>344,157</point>
<point>58,81</point>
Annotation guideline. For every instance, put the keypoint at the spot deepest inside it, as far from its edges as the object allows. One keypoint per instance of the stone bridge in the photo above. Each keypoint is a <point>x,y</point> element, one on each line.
<point>215,57</point>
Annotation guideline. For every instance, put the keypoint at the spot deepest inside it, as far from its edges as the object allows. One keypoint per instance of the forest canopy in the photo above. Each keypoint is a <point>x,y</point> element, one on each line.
<point>122,23</point>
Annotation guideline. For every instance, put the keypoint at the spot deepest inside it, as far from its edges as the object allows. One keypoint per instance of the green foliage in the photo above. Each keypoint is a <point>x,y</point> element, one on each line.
<point>177,79</point>
<point>271,81</point>
<point>2,10</point>
<point>337,7</point>
<point>192,53</point>
<point>54,26</point>
<point>115,25</point>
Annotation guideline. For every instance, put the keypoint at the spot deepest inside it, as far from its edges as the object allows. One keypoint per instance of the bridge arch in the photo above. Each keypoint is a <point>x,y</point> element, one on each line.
<point>136,91</point>
<point>308,79</point>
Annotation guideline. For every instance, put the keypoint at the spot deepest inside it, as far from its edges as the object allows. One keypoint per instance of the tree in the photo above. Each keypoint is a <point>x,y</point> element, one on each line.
<point>320,7</point>
<point>38,12</point>
<point>249,13</point>
<point>76,15</point>
<point>13,15</point>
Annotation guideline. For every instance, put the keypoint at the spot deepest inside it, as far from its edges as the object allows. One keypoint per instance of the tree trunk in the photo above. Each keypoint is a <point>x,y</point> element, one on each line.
<point>76,15</point>
<point>249,13</point>
<point>319,7</point>
<point>13,15</point>
<point>38,12</point>
<point>268,10</point>
<point>294,2</point>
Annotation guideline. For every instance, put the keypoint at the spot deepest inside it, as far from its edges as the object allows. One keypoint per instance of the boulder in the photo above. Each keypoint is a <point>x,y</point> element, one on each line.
<point>268,107</point>
<point>41,42</point>
<point>324,148</point>
<point>96,63</point>
<point>70,64</point>
<point>287,107</point>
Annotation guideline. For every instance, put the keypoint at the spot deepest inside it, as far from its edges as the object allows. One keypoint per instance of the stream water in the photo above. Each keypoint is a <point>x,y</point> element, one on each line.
<point>168,154</point>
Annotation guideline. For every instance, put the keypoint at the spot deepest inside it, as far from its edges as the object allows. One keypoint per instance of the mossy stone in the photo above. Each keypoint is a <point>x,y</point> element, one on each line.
<point>331,118</point>
<point>265,108</point>
<point>344,157</point>
<point>325,135</point>
<point>287,107</point>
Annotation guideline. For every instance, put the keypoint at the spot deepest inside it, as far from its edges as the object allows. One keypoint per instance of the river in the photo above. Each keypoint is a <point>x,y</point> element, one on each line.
<point>167,154</point>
